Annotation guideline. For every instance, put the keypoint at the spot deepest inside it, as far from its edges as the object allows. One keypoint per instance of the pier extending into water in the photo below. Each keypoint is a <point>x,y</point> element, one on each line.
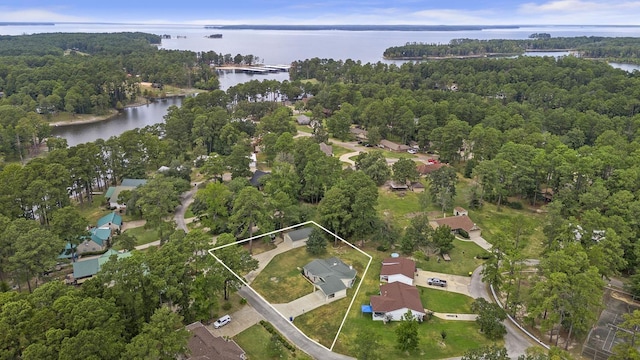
<point>254,69</point>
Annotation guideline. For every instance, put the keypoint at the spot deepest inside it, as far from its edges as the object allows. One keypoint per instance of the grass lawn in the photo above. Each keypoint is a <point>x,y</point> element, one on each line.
<point>444,301</point>
<point>506,220</point>
<point>281,281</point>
<point>255,342</point>
<point>321,324</point>
<point>463,259</point>
<point>303,128</point>
<point>92,211</point>
<point>339,150</point>
<point>391,203</point>
<point>143,236</point>
<point>189,213</point>
<point>460,337</point>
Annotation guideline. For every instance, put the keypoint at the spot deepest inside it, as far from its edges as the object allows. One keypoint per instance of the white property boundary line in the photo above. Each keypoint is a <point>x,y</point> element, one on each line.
<point>211,252</point>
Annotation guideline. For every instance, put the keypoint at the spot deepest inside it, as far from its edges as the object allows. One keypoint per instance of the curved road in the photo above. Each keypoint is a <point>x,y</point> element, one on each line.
<point>287,329</point>
<point>185,201</point>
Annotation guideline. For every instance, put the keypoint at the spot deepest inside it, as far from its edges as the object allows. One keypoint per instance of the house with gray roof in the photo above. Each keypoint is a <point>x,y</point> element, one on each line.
<point>332,276</point>
<point>96,241</point>
<point>297,238</point>
<point>303,119</point>
<point>112,193</point>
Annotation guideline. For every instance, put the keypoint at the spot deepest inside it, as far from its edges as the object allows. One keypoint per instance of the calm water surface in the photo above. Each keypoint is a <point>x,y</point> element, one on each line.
<point>282,47</point>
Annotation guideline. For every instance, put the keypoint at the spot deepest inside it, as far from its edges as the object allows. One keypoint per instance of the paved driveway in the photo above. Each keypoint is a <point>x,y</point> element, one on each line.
<point>241,320</point>
<point>287,329</point>
<point>301,305</point>
<point>455,283</point>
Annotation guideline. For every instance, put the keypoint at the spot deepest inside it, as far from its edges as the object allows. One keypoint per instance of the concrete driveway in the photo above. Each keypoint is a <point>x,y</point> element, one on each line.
<point>241,320</point>
<point>301,305</point>
<point>455,283</point>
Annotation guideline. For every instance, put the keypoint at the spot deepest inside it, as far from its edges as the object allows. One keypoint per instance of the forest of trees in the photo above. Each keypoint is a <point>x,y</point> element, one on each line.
<point>528,127</point>
<point>618,48</point>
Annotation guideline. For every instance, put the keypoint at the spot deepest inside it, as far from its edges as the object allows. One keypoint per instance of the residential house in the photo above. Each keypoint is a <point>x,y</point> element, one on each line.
<point>390,145</point>
<point>458,223</point>
<point>359,134</point>
<point>297,238</point>
<point>395,300</point>
<point>84,269</point>
<point>398,269</point>
<point>303,119</point>
<point>332,276</point>
<point>97,241</point>
<point>426,169</point>
<point>203,345</point>
<point>326,149</point>
<point>114,191</point>
<point>111,221</point>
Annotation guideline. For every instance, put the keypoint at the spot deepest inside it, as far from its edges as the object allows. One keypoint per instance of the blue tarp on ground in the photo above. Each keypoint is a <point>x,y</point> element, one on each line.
<point>367,309</point>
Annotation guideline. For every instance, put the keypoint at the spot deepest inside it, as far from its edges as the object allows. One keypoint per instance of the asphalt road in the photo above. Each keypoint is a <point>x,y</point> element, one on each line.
<point>287,329</point>
<point>185,201</point>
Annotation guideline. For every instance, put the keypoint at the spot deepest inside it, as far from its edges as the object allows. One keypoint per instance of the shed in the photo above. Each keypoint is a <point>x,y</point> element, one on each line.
<point>458,211</point>
<point>297,238</point>
<point>303,120</point>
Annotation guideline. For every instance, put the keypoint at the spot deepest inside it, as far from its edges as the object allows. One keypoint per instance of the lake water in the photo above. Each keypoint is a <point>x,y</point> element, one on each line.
<point>281,47</point>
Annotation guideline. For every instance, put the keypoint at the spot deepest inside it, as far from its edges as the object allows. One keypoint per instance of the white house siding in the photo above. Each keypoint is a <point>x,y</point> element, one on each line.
<point>400,278</point>
<point>396,315</point>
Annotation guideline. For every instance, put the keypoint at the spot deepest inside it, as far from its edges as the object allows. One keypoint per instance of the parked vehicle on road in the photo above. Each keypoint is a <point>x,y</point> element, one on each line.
<point>222,321</point>
<point>412,151</point>
<point>437,282</point>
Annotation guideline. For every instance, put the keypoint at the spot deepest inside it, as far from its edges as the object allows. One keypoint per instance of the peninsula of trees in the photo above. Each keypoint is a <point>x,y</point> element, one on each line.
<point>621,49</point>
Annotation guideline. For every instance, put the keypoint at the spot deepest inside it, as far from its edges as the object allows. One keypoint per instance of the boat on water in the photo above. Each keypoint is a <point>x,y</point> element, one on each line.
<point>214,36</point>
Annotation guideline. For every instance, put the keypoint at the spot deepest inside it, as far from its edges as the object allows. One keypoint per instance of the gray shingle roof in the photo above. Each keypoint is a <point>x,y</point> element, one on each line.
<point>300,234</point>
<point>331,271</point>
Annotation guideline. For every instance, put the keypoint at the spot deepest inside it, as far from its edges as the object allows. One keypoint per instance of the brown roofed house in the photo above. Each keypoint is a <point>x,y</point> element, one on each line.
<point>398,269</point>
<point>457,223</point>
<point>394,146</point>
<point>426,169</point>
<point>395,300</point>
<point>204,346</point>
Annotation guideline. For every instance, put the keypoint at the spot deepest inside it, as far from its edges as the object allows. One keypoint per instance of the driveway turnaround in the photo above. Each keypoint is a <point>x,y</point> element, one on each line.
<point>287,329</point>
<point>241,320</point>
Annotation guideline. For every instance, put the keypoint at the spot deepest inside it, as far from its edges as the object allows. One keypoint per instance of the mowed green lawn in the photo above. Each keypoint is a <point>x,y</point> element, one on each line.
<point>445,301</point>
<point>282,281</point>
<point>464,258</point>
<point>255,342</point>
<point>323,323</point>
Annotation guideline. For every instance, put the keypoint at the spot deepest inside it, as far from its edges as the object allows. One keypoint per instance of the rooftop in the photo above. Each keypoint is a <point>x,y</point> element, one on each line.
<point>331,271</point>
<point>300,234</point>
<point>399,265</point>
<point>458,222</point>
<point>111,218</point>
<point>396,296</point>
<point>204,346</point>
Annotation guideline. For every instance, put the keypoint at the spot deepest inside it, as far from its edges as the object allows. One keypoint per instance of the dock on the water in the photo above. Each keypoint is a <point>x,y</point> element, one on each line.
<point>255,69</point>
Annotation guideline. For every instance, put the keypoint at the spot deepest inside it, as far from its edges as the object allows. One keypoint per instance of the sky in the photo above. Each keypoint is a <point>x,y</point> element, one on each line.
<point>327,12</point>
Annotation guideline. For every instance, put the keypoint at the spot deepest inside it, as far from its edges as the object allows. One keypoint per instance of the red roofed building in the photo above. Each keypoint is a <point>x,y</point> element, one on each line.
<point>398,269</point>
<point>395,300</point>
<point>426,169</point>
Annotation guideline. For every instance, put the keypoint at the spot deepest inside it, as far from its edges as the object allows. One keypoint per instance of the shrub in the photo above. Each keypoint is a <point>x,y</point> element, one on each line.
<point>463,233</point>
<point>226,306</point>
<point>243,301</point>
<point>276,335</point>
<point>383,247</point>
<point>515,205</point>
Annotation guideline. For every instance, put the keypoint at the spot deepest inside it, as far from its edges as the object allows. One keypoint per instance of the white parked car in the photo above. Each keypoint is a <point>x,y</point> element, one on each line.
<point>222,321</point>
<point>412,151</point>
